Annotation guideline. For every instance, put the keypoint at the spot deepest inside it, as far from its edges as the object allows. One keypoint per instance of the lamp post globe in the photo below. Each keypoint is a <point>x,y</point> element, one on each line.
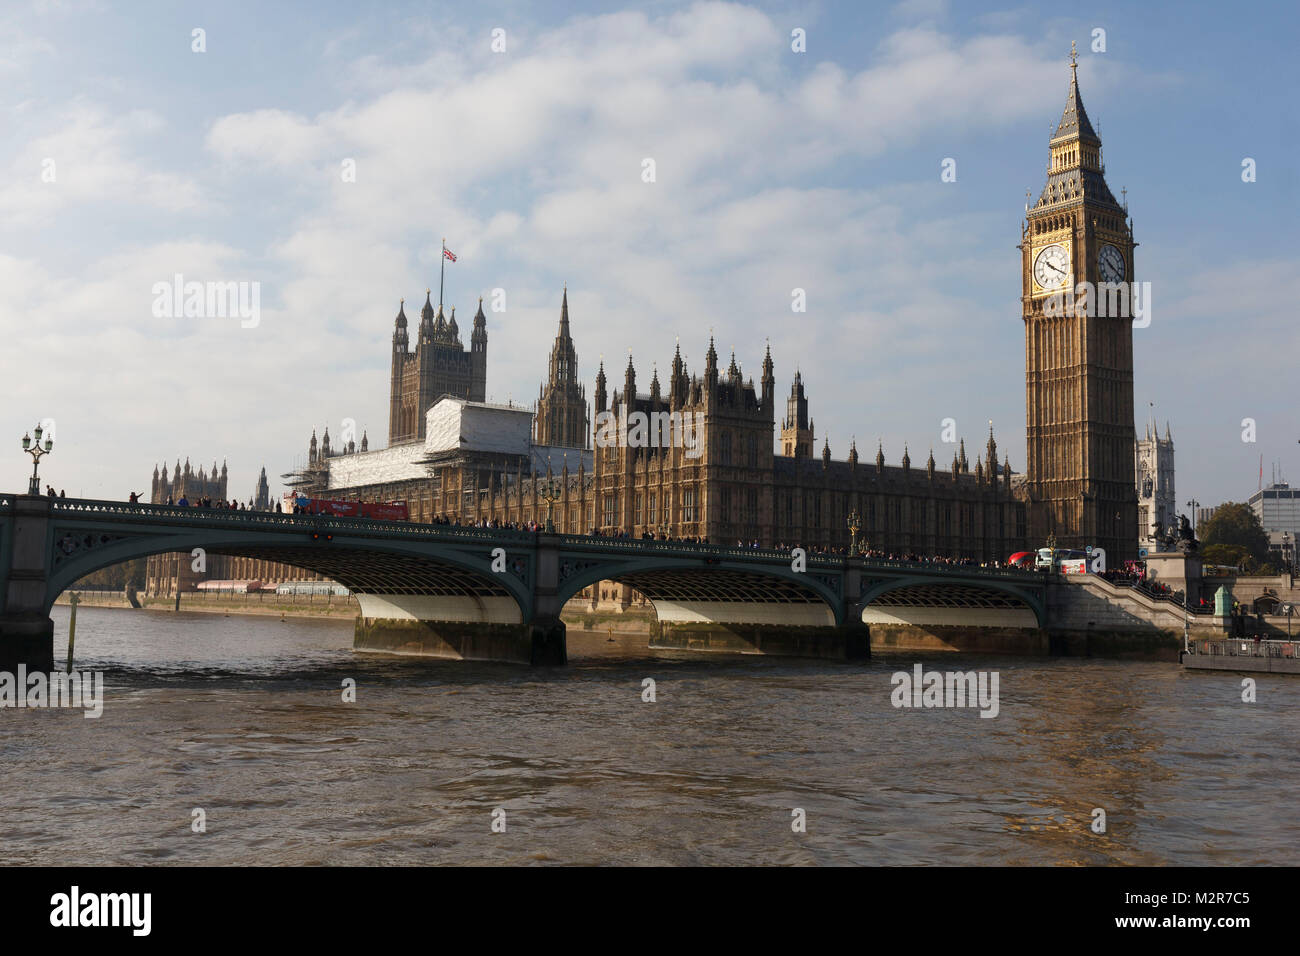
<point>37,451</point>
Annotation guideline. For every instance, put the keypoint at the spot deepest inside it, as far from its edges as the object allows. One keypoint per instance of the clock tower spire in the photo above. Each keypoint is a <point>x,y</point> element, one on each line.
<point>1076,277</point>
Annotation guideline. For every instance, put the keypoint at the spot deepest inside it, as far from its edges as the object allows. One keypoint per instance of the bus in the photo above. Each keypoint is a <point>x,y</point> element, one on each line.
<point>384,511</point>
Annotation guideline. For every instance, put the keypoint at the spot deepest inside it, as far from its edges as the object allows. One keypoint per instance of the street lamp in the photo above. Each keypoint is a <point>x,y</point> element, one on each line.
<point>37,452</point>
<point>550,494</point>
<point>1193,504</point>
<point>855,525</point>
<point>1286,552</point>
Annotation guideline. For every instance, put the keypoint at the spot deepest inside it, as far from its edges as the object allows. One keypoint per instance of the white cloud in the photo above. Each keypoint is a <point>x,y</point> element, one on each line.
<point>530,163</point>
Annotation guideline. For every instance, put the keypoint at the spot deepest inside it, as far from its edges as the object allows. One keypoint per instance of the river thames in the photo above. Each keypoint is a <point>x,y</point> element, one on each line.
<point>243,717</point>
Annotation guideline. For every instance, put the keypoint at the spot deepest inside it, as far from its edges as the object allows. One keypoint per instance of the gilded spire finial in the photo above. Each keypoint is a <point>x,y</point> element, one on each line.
<point>1074,61</point>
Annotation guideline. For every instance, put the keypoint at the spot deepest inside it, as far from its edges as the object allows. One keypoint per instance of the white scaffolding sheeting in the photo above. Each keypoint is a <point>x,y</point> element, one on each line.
<point>474,426</point>
<point>384,466</point>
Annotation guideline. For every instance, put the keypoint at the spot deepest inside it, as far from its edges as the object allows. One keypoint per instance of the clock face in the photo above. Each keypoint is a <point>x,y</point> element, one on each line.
<point>1052,267</point>
<point>1110,263</point>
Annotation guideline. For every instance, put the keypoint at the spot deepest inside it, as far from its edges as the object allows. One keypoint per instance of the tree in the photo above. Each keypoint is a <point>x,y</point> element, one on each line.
<point>1223,555</point>
<point>1235,531</point>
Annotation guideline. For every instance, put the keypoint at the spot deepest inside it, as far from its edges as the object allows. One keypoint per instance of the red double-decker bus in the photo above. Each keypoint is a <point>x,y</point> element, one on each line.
<point>385,511</point>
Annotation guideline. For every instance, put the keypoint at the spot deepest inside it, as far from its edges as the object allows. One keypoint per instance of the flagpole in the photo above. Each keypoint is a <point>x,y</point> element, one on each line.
<point>442,271</point>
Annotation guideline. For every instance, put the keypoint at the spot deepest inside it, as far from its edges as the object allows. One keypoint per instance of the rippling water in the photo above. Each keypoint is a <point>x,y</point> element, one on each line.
<point>243,717</point>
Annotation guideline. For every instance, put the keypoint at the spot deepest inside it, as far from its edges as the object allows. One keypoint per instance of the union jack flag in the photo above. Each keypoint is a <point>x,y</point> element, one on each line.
<point>449,254</point>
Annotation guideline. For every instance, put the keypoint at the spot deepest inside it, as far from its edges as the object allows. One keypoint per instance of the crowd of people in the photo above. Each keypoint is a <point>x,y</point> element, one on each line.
<point>217,504</point>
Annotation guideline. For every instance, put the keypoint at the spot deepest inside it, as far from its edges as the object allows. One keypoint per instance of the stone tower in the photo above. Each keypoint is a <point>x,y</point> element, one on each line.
<point>439,366</point>
<point>562,418</point>
<point>797,428</point>
<point>262,494</point>
<point>1079,348</point>
<point>1157,498</point>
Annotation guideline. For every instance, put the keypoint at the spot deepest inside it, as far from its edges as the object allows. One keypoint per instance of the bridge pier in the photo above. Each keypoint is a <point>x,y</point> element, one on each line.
<point>538,644</point>
<point>26,630</point>
<point>845,642</point>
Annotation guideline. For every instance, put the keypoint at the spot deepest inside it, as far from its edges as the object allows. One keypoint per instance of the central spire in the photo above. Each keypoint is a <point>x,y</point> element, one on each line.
<point>1074,119</point>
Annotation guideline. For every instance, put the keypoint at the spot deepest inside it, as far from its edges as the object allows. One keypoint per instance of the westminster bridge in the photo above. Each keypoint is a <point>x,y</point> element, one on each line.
<point>496,594</point>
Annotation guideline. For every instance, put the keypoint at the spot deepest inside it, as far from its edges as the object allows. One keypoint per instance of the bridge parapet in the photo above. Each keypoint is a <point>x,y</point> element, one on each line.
<point>441,580</point>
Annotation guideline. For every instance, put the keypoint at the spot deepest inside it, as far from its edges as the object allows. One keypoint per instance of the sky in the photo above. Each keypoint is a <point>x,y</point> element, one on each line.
<point>319,152</point>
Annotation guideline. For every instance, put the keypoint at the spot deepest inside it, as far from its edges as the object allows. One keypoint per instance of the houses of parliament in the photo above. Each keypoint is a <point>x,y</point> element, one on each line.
<point>759,475</point>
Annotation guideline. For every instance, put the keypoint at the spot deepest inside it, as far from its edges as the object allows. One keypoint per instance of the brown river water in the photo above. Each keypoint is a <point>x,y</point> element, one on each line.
<point>243,717</point>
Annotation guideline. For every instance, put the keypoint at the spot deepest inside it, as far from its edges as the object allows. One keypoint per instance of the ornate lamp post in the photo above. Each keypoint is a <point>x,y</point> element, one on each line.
<point>550,493</point>
<point>37,452</point>
<point>1286,553</point>
<point>1193,504</point>
<point>855,525</point>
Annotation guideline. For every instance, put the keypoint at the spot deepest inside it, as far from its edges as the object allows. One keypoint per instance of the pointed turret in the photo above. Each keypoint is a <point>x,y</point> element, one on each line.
<point>929,465</point>
<point>907,459</point>
<point>629,383</point>
<point>365,442</point>
<point>426,317</point>
<point>478,338</point>
<point>453,331</point>
<point>961,457</point>
<point>880,458</point>
<point>601,394</point>
<point>853,453</point>
<point>678,385</point>
<point>400,336</point>
<point>711,364</point>
<point>826,453</point>
<point>769,381</point>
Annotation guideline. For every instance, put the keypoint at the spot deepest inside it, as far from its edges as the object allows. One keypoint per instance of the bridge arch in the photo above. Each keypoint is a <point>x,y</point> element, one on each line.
<point>934,590</point>
<point>682,582</point>
<point>366,565</point>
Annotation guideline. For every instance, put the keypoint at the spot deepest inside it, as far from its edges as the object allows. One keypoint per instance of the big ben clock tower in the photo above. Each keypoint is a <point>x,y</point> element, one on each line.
<point>1076,270</point>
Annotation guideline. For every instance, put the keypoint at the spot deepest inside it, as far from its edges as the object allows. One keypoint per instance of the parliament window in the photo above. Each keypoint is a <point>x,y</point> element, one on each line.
<point>688,504</point>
